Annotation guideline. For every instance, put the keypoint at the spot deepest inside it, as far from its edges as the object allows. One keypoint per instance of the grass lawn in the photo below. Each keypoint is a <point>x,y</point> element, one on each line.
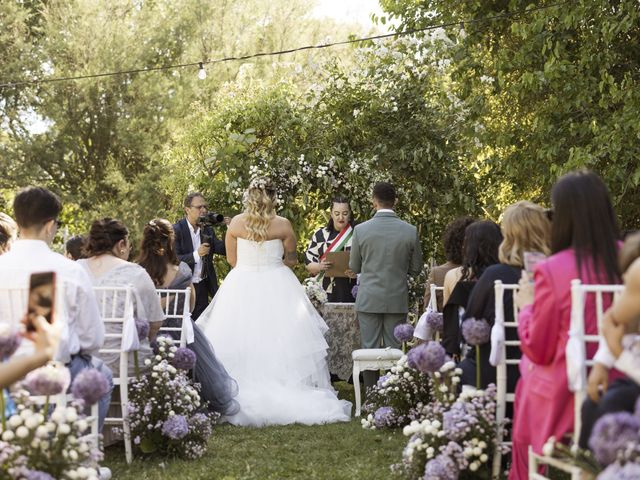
<point>336,451</point>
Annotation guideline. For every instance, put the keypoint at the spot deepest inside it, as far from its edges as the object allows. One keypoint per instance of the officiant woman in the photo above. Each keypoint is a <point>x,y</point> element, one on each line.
<point>335,237</point>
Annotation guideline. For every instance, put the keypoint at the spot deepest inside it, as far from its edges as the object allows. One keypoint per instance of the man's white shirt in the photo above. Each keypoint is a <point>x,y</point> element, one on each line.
<point>82,327</point>
<point>195,239</point>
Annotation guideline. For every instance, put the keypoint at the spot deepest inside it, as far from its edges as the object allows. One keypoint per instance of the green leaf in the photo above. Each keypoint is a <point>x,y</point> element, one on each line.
<point>147,445</point>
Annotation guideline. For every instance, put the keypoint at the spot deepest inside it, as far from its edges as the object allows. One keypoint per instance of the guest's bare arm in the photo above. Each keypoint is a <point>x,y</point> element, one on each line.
<point>231,240</point>
<point>627,306</point>
<point>290,244</point>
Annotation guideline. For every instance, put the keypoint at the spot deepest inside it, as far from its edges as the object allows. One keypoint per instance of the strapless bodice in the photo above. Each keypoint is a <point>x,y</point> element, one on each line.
<point>267,254</point>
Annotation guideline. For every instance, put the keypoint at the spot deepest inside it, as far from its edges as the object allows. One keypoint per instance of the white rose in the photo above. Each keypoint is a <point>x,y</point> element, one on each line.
<point>35,443</point>
<point>468,452</point>
<point>82,425</point>
<point>8,436</point>
<point>172,413</point>
<point>22,432</point>
<point>42,432</point>
<point>158,358</point>
<point>73,455</point>
<point>484,457</point>
<point>161,349</point>
<point>72,474</point>
<point>64,429</point>
<point>482,444</point>
<point>477,451</point>
<point>406,375</point>
<point>154,374</point>
<point>26,413</point>
<point>72,414</point>
<point>147,362</point>
<point>474,466</point>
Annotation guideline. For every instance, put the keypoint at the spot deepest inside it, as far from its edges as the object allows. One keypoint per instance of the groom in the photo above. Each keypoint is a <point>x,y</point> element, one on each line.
<point>383,251</point>
<point>195,246</point>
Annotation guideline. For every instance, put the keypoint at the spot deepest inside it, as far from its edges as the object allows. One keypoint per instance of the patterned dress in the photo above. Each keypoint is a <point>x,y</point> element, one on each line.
<point>338,289</point>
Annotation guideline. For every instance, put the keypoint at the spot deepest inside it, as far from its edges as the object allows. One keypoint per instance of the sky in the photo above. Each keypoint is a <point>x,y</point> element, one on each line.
<point>348,10</point>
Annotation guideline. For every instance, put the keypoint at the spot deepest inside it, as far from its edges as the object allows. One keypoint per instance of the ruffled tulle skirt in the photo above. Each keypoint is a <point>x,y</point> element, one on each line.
<point>271,341</point>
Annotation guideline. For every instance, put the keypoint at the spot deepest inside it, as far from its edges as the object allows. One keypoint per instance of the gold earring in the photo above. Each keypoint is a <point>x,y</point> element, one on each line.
<point>121,252</point>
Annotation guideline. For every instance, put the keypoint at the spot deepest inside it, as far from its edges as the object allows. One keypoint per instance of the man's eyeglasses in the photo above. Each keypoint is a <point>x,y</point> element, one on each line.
<point>199,207</point>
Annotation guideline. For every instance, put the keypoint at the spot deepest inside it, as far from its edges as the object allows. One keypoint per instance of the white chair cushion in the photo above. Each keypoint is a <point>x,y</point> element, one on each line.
<point>376,354</point>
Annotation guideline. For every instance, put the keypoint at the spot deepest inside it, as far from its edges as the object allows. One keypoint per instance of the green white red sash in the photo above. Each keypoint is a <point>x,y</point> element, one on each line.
<point>340,242</point>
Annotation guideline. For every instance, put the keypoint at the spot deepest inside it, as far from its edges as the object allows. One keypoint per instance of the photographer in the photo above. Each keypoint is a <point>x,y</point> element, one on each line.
<point>196,242</point>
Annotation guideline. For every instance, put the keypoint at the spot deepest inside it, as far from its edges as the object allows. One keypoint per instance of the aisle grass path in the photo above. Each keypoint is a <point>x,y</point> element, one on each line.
<point>336,451</point>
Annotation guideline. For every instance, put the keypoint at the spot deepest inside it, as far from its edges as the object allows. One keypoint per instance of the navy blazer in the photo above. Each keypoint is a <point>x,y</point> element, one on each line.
<point>184,251</point>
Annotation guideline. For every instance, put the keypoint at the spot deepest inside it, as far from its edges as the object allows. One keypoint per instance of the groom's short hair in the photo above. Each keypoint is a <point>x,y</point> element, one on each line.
<point>385,194</point>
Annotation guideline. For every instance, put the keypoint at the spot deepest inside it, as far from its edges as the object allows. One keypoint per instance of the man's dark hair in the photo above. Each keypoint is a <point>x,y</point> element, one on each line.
<point>583,219</point>
<point>453,239</point>
<point>189,198</point>
<point>35,206</point>
<point>385,194</point>
<point>75,247</point>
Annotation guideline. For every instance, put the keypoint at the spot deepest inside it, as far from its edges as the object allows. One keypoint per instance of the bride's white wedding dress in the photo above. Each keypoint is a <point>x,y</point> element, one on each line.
<point>271,340</point>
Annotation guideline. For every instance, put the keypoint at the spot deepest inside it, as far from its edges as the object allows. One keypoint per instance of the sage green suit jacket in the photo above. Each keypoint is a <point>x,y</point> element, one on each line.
<point>383,251</point>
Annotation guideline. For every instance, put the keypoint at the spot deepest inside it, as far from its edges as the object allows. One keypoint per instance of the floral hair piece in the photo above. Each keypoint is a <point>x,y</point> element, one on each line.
<point>262,183</point>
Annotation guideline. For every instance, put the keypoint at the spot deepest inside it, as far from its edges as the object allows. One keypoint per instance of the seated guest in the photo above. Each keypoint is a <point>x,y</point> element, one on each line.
<point>453,238</point>
<point>8,232</point>
<point>36,211</point>
<point>335,237</point>
<point>108,249</point>
<point>584,236</point>
<point>619,348</point>
<point>45,339</point>
<point>158,258</point>
<point>74,248</point>
<point>480,250</point>
<point>525,228</point>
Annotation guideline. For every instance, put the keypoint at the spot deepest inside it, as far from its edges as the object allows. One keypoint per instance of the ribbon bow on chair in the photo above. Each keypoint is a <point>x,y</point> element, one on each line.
<point>186,335</point>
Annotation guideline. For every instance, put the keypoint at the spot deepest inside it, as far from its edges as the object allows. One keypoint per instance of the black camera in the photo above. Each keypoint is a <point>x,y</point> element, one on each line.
<point>210,219</point>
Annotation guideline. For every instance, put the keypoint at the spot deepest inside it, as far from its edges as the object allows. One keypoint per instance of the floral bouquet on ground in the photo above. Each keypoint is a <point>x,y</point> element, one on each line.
<point>455,441</point>
<point>403,394</point>
<point>315,292</point>
<point>36,445</point>
<point>164,406</point>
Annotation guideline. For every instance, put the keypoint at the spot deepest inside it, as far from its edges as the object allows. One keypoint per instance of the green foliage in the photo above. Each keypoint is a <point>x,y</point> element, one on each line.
<point>549,91</point>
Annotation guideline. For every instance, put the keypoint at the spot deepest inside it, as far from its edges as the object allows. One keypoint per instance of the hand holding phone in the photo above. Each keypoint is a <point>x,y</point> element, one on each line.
<point>531,259</point>
<point>42,296</point>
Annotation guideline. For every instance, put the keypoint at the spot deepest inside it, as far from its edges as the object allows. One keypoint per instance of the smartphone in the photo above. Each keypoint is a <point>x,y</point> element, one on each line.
<point>531,259</point>
<point>42,297</point>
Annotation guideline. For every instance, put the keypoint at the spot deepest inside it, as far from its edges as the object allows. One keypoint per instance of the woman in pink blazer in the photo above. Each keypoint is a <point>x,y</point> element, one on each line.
<point>584,239</point>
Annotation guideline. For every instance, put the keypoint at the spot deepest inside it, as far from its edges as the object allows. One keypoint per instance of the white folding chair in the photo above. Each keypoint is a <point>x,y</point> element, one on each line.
<point>580,338</point>
<point>116,308</point>
<point>176,306</point>
<point>502,395</point>
<point>577,363</point>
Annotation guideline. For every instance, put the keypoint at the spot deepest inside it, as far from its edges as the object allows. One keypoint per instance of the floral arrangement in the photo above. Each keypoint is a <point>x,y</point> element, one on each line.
<point>315,292</point>
<point>164,406</point>
<point>35,445</point>
<point>455,441</point>
<point>614,448</point>
<point>403,394</point>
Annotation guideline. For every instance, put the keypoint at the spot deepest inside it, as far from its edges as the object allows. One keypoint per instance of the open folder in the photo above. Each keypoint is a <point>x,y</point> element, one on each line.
<point>339,264</point>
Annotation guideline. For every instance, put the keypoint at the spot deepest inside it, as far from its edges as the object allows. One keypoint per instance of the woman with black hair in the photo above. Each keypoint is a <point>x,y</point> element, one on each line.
<point>584,245</point>
<point>480,250</point>
<point>335,237</point>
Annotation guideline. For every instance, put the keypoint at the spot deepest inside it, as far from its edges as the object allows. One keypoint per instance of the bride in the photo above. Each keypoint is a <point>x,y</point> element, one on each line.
<point>264,329</point>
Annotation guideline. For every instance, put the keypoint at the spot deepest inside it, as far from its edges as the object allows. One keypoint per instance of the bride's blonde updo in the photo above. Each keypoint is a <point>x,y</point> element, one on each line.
<point>260,208</point>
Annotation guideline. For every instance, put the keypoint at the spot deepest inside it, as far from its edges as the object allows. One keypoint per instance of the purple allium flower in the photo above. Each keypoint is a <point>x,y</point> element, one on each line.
<point>175,427</point>
<point>611,435</point>
<point>426,357</point>
<point>384,417</point>
<point>51,379</point>
<point>442,467</point>
<point>142,326</point>
<point>615,471</point>
<point>90,386</point>
<point>382,379</point>
<point>476,332</point>
<point>9,341</point>
<point>184,359</point>
<point>403,332</point>
<point>36,475</point>
<point>435,321</point>
<point>354,291</point>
